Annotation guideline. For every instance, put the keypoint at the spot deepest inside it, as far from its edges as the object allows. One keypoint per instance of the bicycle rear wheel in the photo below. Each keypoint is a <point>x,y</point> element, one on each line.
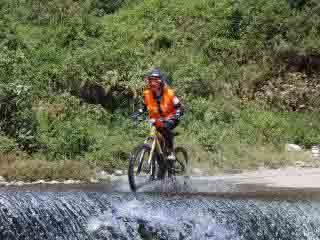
<point>140,170</point>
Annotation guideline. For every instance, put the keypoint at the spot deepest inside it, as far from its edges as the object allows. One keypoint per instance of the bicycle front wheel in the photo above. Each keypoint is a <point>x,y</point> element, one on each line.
<point>141,170</point>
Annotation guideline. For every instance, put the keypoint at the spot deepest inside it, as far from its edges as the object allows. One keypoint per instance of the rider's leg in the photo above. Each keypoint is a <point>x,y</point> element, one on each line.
<point>169,139</point>
<point>169,143</point>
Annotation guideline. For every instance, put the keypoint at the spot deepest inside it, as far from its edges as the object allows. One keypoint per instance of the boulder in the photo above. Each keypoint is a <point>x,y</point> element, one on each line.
<point>118,172</point>
<point>197,171</point>
<point>102,175</point>
<point>293,147</point>
<point>315,152</point>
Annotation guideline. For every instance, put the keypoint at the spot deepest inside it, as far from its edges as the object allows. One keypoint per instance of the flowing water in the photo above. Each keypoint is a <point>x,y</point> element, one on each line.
<point>101,215</point>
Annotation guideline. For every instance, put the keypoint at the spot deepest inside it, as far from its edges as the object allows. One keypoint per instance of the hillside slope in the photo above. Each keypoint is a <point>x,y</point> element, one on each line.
<point>247,72</point>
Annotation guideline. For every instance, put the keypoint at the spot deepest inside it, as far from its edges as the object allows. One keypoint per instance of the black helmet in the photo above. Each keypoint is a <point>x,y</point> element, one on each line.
<point>156,72</point>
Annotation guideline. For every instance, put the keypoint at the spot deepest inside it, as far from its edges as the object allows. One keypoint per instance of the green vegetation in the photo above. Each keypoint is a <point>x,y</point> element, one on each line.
<point>70,71</point>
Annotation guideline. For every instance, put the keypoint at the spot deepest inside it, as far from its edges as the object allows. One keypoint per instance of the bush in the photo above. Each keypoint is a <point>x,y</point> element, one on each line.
<point>18,119</point>
<point>64,130</point>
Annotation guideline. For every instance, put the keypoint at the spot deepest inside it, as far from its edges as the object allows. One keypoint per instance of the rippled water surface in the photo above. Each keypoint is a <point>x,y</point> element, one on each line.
<point>75,215</point>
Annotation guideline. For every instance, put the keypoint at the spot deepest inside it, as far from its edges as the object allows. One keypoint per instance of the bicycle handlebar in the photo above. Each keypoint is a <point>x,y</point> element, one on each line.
<point>137,118</point>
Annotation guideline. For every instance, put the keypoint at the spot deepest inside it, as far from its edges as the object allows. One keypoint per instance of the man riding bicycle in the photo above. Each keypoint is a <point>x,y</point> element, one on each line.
<point>165,109</point>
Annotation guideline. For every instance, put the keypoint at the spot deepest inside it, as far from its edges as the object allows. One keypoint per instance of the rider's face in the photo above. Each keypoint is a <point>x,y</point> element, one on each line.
<point>154,83</point>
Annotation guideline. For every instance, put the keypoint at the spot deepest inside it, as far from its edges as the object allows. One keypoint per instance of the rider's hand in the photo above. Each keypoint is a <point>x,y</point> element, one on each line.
<point>169,124</point>
<point>159,124</point>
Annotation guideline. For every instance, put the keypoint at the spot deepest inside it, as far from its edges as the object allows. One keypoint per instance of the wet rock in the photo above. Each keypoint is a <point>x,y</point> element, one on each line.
<point>293,147</point>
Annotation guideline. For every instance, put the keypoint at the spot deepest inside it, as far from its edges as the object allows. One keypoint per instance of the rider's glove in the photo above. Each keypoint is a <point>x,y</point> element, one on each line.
<point>169,124</point>
<point>159,124</point>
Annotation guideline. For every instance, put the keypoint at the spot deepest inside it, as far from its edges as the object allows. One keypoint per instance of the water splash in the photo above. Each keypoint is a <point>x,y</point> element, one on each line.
<point>159,222</point>
<point>91,216</point>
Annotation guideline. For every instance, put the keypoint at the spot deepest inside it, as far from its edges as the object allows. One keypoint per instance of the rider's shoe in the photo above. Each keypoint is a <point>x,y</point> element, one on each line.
<point>171,157</point>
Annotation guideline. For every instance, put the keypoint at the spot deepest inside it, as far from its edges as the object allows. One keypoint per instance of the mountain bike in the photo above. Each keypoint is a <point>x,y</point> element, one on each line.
<point>148,161</point>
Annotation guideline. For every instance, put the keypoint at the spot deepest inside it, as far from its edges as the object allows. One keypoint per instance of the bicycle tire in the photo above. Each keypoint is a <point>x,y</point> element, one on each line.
<point>132,161</point>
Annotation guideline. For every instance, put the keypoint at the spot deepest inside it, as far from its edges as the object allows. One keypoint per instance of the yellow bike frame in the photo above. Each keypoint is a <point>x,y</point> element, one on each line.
<point>156,138</point>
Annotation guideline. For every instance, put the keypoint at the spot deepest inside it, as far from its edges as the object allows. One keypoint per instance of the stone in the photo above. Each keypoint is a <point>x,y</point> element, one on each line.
<point>19,183</point>
<point>293,147</point>
<point>196,171</point>
<point>103,175</point>
<point>39,182</point>
<point>53,182</point>
<point>94,180</point>
<point>299,164</point>
<point>70,181</point>
<point>118,172</point>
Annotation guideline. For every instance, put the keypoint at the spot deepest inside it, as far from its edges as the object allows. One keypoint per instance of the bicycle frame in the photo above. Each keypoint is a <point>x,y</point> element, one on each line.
<point>156,138</point>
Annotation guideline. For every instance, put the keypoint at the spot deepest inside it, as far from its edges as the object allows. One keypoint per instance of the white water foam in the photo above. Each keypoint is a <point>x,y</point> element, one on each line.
<point>127,220</point>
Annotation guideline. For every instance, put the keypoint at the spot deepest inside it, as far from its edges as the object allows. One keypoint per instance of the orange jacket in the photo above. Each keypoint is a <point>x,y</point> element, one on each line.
<point>167,107</point>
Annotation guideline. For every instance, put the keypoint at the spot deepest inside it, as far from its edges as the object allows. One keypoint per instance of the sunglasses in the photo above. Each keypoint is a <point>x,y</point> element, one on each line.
<point>152,80</point>
<point>156,79</point>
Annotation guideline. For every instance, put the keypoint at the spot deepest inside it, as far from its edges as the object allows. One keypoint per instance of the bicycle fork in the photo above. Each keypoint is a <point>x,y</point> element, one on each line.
<point>155,144</point>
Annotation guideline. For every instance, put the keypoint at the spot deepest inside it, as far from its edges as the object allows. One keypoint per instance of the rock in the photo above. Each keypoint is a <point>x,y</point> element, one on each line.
<point>27,183</point>
<point>70,181</point>
<point>315,152</point>
<point>94,180</point>
<point>39,182</point>
<point>53,182</point>
<point>2,179</point>
<point>103,175</point>
<point>196,171</point>
<point>293,147</point>
<point>118,172</point>
<point>299,164</point>
<point>19,183</point>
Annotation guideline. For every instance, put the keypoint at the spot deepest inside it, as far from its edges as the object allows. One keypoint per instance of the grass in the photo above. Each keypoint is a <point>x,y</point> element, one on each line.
<point>14,169</point>
<point>241,157</point>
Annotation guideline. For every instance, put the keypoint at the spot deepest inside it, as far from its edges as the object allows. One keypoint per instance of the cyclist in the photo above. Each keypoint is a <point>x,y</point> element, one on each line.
<point>165,109</point>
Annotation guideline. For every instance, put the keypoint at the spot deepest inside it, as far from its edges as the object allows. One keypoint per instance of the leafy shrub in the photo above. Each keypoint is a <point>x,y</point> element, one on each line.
<point>17,118</point>
<point>100,7</point>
